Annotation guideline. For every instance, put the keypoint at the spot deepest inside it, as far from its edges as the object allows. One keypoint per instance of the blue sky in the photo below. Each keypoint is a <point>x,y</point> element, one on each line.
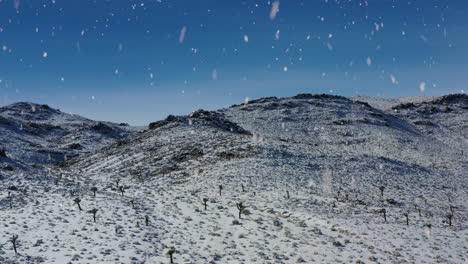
<point>127,61</point>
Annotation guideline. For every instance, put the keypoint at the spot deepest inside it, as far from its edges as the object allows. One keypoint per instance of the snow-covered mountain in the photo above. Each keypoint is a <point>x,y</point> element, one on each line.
<point>326,179</point>
<point>33,135</point>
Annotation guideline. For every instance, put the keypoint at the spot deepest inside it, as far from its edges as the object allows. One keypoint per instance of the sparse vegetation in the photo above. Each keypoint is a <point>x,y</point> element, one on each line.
<point>205,201</point>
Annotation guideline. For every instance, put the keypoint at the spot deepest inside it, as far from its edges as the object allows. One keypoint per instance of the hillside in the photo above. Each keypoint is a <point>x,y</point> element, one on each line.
<point>318,174</point>
<point>33,135</point>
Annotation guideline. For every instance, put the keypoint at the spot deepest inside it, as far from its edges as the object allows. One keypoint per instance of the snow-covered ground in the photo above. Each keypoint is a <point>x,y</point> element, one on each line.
<point>314,171</point>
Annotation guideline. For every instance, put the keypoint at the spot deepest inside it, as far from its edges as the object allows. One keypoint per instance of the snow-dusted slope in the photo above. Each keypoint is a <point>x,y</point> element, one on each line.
<point>33,134</point>
<point>309,168</point>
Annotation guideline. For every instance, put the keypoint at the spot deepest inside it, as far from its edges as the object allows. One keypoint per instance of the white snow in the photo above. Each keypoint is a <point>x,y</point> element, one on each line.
<point>329,154</point>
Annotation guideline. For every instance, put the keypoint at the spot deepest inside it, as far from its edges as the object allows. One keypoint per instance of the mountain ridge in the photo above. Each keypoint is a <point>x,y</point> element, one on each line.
<point>303,179</point>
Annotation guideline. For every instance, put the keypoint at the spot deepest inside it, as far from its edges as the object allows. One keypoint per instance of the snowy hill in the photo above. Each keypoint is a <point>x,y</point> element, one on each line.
<point>33,135</point>
<point>326,179</point>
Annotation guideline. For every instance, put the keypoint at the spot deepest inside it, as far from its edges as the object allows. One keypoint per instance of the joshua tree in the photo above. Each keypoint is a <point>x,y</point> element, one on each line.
<point>381,188</point>
<point>133,203</point>
<point>117,181</point>
<point>384,212</point>
<point>406,215</point>
<point>2,153</point>
<point>287,194</point>
<point>243,188</point>
<point>419,212</point>
<point>10,198</point>
<point>122,189</point>
<point>94,190</point>
<point>171,252</point>
<point>13,240</point>
<point>449,218</point>
<point>241,207</point>
<point>429,226</point>
<point>93,211</point>
<point>220,189</point>
<point>77,201</point>
<point>205,200</point>
<point>146,220</point>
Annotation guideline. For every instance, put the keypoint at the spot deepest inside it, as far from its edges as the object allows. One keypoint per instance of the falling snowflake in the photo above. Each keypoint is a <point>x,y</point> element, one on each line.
<point>246,38</point>
<point>393,79</point>
<point>45,54</point>
<point>277,34</point>
<point>274,9</point>
<point>182,34</point>
<point>422,86</point>
<point>16,4</point>
<point>369,61</point>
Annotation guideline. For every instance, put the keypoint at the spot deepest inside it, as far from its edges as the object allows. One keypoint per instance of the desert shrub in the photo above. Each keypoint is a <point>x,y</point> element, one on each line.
<point>74,146</point>
<point>102,128</point>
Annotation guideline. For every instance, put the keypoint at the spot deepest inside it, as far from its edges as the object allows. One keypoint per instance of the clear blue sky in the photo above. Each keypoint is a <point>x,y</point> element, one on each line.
<point>130,61</point>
